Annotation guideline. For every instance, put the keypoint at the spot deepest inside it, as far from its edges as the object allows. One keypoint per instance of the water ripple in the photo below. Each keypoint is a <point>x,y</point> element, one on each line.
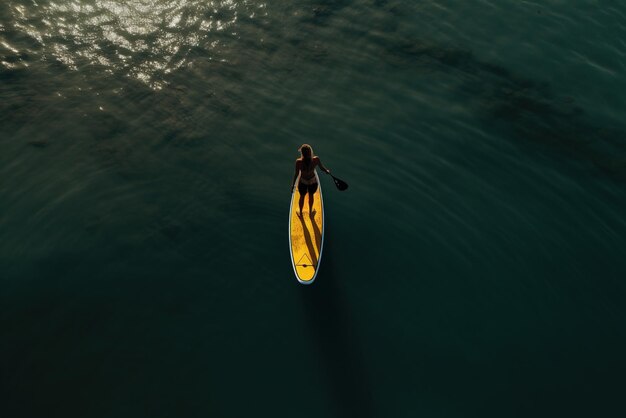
<point>144,39</point>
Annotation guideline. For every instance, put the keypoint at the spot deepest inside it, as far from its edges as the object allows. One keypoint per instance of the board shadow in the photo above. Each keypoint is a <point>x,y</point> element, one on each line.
<point>329,322</point>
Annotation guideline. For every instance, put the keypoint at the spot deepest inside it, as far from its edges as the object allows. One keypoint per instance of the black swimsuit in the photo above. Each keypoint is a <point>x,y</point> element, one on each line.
<point>307,185</point>
<point>310,188</point>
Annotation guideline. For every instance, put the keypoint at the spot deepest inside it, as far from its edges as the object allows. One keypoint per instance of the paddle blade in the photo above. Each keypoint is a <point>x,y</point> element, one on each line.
<point>341,185</point>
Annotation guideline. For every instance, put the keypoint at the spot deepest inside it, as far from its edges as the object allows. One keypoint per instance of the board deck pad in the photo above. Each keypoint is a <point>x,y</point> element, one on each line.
<point>306,235</point>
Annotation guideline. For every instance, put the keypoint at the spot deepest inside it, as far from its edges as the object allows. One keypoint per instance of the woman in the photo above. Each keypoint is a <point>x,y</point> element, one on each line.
<point>305,165</point>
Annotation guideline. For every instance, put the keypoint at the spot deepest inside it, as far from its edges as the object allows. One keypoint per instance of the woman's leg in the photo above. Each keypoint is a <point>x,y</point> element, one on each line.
<point>312,190</point>
<point>302,189</point>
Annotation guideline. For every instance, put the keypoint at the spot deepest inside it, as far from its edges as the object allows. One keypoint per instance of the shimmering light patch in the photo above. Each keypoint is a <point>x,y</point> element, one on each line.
<point>144,39</point>
<point>9,47</point>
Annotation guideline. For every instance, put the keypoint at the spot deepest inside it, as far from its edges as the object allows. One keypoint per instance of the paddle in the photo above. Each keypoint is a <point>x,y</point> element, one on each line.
<point>341,185</point>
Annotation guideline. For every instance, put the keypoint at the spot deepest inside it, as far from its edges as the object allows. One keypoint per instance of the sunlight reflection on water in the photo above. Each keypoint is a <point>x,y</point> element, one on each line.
<point>144,39</point>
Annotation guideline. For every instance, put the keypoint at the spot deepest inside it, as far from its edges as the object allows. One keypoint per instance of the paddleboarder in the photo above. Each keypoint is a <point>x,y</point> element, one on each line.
<point>305,166</point>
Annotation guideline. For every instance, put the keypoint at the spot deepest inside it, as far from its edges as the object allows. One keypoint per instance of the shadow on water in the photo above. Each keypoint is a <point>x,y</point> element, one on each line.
<point>527,110</point>
<point>322,10</point>
<point>329,321</point>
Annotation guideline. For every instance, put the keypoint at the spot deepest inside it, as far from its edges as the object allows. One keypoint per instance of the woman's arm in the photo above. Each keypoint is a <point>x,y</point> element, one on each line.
<point>324,169</point>
<point>295,175</point>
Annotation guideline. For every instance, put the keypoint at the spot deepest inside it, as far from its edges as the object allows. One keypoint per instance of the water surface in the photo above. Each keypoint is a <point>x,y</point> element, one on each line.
<point>474,268</point>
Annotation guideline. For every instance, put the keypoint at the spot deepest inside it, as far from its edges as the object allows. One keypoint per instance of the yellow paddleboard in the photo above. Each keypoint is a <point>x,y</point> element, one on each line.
<point>306,234</point>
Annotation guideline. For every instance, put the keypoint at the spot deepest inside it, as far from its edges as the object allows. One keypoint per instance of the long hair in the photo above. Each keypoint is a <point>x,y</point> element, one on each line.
<point>307,154</point>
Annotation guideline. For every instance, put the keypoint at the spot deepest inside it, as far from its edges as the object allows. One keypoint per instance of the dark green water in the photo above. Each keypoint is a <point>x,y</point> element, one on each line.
<point>475,267</point>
